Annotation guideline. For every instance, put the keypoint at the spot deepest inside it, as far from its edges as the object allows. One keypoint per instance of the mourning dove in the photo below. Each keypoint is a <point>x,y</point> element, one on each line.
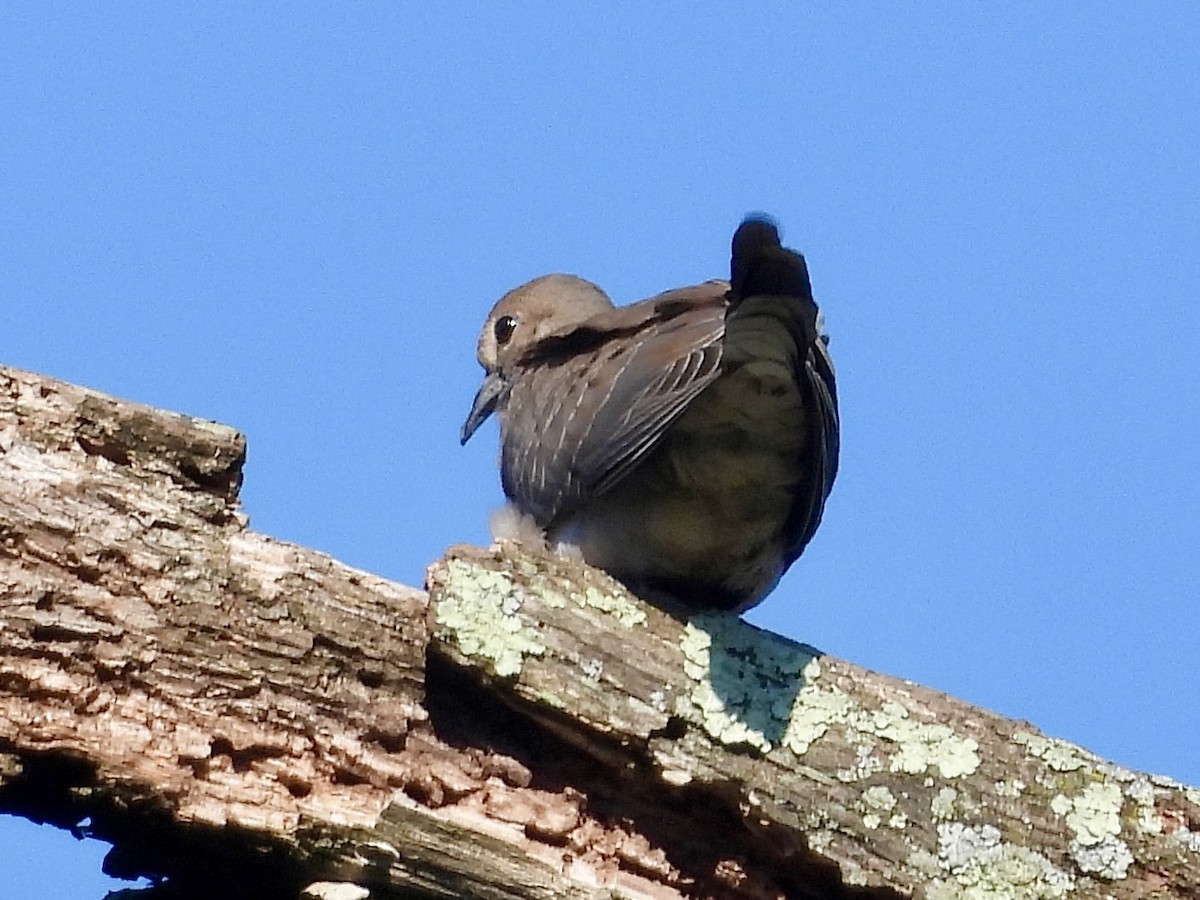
<point>685,444</point>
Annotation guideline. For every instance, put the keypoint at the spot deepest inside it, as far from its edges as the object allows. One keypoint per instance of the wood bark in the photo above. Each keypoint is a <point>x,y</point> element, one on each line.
<point>243,717</point>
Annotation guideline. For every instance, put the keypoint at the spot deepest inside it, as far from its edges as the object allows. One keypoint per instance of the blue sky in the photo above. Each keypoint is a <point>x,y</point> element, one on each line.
<point>293,219</point>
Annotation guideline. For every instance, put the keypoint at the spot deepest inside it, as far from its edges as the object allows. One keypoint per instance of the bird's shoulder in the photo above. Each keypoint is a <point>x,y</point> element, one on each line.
<point>695,308</point>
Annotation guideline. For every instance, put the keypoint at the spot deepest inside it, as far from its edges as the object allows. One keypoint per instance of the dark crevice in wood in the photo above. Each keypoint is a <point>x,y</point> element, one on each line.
<point>465,713</point>
<point>113,452</point>
<point>242,758</point>
<point>182,861</point>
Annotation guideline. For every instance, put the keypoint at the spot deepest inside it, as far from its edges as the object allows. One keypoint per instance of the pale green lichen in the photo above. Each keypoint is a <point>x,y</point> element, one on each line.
<point>919,746</point>
<point>525,565</point>
<point>745,680</point>
<point>480,611</point>
<point>815,708</point>
<point>925,745</point>
<point>1094,818</point>
<point>1096,813</point>
<point>874,801</point>
<point>1058,755</point>
<point>1010,788</point>
<point>1188,838</point>
<point>754,688</point>
<point>982,866</point>
<point>854,874</point>
<point>1061,804</point>
<point>617,605</point>
<point>820,840</point>
<point>1149,821</point>
<point>942,805</point>
<point>866,764</point>
<point>815,711</point>
<point>1141,792</point>
<point>879,797</point>
<point>925,863</point>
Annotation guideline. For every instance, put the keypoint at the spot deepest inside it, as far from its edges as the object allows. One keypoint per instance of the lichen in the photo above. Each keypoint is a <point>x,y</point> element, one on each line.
<point>876,801</point>
<point>1148,821</point>
<point>745,681</point>
<point>820,840</point>
<point>814,711</point>
<point>879,797</point>
<point>1096,813</point>
<point>1010,788</point>
<point>1110,858</point>
<point>942,804</point>
<point>1188,838</point>
<point>481,613</point>
<point>866,763</point>
<point>1094,818</point>
<point>1061,804</point>
<point>617,605</point>
<point>760,690</point>
<point>1058,755</point>
<point>979,865</point>
<point>925,745</point>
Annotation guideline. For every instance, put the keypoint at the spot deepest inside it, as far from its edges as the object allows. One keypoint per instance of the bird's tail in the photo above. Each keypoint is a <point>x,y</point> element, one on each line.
<point>760,265</point>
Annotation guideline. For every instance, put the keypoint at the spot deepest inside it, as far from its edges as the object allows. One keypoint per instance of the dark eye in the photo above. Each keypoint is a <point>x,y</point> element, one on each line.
<point>505,326</point>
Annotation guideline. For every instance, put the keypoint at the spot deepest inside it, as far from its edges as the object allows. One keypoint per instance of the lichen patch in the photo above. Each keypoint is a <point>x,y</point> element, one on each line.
<point>480,612</point>
<point>745,680</point>
<point>623,610</point>
<point>1094,818</point>
<point>1058,755</point>
<point>979,865</point>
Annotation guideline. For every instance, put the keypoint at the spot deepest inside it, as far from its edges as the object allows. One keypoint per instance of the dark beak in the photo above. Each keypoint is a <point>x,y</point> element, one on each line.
<point>491,392</point>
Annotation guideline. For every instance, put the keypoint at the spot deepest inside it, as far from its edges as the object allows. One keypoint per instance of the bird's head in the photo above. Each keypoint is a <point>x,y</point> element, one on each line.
<point>549,305</point>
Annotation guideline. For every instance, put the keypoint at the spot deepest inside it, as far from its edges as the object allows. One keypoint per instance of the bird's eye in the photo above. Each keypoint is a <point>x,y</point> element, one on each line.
<point>504,328</point>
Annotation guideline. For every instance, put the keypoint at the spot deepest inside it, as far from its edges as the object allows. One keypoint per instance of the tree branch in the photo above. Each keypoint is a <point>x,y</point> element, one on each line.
<point>244,716</point>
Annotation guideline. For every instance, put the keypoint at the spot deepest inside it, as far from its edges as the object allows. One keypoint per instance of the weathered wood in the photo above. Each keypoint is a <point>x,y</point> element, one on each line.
<point>244,716</point>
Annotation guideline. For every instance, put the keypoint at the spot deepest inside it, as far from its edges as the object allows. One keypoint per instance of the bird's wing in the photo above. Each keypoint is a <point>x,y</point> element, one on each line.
<point>587,405</point>
<point>822,447</point>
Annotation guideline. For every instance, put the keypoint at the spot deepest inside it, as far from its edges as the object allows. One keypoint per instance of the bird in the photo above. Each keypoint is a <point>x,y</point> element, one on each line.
<point>687,443</point>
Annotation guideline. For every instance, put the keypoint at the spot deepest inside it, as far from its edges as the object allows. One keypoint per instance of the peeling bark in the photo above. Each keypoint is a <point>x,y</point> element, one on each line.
<point>243,716</point>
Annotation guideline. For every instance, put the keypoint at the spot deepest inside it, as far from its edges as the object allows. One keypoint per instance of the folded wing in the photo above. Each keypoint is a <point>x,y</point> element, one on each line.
<point>600,397</point>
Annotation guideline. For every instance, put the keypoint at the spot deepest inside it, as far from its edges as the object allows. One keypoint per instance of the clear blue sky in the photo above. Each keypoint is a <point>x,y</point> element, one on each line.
<point>293,219</point>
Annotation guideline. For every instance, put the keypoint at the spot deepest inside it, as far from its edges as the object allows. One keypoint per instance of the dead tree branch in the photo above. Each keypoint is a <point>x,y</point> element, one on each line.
<point>247,718</point>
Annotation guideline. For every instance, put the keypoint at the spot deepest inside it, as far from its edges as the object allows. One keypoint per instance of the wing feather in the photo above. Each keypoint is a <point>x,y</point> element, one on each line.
<point>577,423</point>
<point>822,448</point>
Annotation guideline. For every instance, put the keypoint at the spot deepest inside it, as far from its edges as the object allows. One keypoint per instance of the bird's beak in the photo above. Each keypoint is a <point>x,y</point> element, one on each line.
<point>492,390</point>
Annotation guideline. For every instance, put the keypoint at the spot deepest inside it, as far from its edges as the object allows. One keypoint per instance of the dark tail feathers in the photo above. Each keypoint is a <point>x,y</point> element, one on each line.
<point>761,265</point>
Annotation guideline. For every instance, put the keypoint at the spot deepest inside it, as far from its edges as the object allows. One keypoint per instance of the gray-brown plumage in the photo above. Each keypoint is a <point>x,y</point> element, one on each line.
<point>686,444</point>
